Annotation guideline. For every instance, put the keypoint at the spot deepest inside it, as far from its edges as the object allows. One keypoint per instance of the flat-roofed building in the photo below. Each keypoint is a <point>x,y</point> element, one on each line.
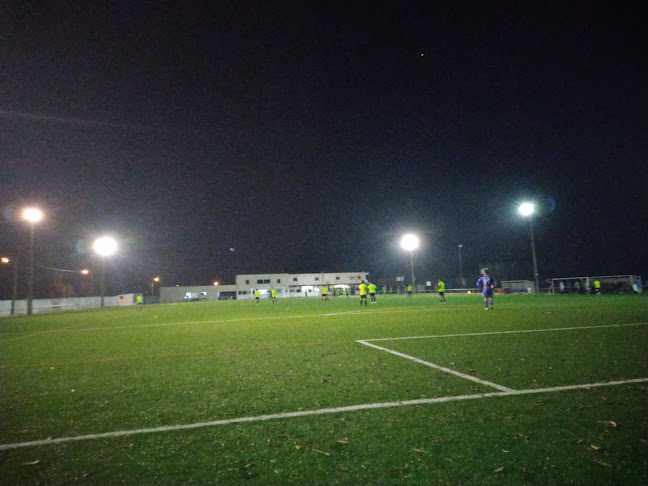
<point>286,285</point>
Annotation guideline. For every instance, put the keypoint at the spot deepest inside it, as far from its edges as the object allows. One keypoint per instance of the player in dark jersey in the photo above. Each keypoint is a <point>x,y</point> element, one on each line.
<point>487,283</point>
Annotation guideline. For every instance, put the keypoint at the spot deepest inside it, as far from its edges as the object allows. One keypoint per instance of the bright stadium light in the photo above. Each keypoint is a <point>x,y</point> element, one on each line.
<point>527,210</point>
<point>410,243</point>
<point>104,247</point>
<point>32,215</point>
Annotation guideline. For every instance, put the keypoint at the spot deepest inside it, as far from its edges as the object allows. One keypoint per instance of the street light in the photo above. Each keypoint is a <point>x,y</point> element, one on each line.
<point>104,247</point>
<point>153,282</point>
<point>527,210</point>
<point>85,272</point>
<point>14,293</point>
<point>32,215</point>
<point>410,243</point>
<point>461,278</point>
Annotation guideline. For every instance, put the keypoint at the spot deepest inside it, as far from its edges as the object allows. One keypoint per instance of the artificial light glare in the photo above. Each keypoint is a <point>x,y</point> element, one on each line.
<point>85,271</point>
<point>215,283</point>
<point>5,260</point>
<point>105,246</point>
<point>33,215</point>
<point>410,242</point>
<point>526,209</point>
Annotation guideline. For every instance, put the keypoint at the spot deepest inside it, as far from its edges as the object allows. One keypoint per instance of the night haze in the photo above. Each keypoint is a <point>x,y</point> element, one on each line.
<point>215,139</point>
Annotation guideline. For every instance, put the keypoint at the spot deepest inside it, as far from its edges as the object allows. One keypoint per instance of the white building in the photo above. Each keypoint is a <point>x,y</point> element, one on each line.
<point>286,285</point>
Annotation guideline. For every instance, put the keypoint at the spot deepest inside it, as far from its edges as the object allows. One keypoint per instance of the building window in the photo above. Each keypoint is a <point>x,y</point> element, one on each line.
<point>294,279</point>
<point>337,278</point>
<point>359,277</point>
<point>278,280</point>
<point>247,282</point>
<point>259,281</point>
<point>266,281</point>
<point>317,279</point>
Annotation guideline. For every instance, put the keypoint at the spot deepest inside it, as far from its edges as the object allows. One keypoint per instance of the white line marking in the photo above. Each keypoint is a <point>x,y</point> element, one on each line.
<point>440,368</point>
<point>504,332</point>
<point>306,413</point>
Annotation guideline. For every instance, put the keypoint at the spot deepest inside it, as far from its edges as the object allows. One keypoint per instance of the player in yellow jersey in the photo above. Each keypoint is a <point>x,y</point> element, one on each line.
<point>441,288</point>
<point>324,293</point>
<point>409,290</point>
<point>256,296</point>
<point>363,294</point>
<point>273,295</point>
<point>372,292</point>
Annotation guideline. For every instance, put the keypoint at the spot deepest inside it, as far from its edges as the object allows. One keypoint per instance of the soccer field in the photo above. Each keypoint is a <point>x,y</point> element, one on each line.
<point>543,390</point>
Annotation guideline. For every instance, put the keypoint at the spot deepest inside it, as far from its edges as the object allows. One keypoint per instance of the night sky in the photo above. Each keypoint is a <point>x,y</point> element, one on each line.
<point>235,137</point>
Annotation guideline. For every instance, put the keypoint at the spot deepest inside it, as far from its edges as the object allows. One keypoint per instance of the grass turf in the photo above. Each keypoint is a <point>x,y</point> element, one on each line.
<point>82,373</point>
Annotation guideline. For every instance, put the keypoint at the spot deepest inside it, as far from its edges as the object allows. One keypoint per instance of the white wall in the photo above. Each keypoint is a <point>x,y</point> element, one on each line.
<point>42,306</point>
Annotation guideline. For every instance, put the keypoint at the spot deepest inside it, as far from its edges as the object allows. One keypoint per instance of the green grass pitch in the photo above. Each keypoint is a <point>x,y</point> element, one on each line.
<point>543,390</point>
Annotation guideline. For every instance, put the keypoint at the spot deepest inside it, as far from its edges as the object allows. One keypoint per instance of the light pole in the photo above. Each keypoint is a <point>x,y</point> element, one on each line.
<point>461,278</point>
<point>153,282</point>
<point>527,210</point>
<point>32,216</point>
<point>104,247</point>
<point>410,243</point>
<point>14,292</point>
<point>86,273</point>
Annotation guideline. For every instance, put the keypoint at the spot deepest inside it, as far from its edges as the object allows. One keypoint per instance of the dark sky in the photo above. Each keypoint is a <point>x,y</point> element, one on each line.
<point>310,136</point>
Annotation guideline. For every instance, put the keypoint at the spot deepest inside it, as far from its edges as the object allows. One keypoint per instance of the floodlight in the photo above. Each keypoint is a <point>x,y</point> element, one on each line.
<point>410,242</point>
<point>105,246</point>
<point>526,209</point>
<point>33,215</point>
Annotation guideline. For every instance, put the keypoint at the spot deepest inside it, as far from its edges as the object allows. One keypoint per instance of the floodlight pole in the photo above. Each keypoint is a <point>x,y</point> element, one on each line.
<point>533,257</point>
<point>14,293</point>
<point>30,275</point>
<point>461,278</point>
<point>412,266</point>
<point>103,279</point>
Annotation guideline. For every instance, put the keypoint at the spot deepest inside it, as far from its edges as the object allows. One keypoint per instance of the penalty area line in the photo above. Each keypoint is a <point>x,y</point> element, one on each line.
<point>440,368</point>
<point>307,413</point>
<point>497,333</point>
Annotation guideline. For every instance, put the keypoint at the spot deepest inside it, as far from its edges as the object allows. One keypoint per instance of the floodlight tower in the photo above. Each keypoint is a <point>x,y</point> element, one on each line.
<point>410,243</point>
<point>104,247</point>
<point>527,210</point>
<point>32,215</point>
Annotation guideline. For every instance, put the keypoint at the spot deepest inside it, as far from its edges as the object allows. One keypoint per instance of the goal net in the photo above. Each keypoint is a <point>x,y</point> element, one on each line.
<point>610,284</point>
